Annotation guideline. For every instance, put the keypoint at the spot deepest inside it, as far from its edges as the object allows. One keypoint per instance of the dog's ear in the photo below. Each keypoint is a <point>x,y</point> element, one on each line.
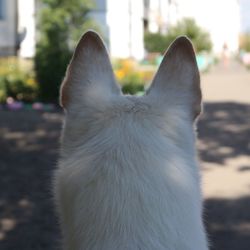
<point>89,76</point>
<point>177,81</point>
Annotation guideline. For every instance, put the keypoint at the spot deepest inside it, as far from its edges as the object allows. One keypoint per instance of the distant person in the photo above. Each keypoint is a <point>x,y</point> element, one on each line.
<point>225,56</point>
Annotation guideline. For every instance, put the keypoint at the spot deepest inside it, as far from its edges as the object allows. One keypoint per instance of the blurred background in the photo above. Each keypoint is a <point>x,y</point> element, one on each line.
<point>37,39</point>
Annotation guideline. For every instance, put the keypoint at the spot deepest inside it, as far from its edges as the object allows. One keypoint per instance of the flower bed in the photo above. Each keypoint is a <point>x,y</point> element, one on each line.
<point>14,105</point>
<point>132,76</point>
<point>17,80</point>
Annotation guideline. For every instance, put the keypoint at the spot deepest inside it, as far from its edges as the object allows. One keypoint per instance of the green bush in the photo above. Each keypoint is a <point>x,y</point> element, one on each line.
<point>132,88</point>
<point>129,76</point>
<point>132,83</point>
<point>16,81</point>
<point>187,26</point>
<point>3,90</point>
<point>156,42</point>
<point>60,25</point>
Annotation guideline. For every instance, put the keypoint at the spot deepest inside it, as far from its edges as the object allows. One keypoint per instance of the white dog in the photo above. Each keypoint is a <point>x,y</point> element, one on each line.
<point>128,175</point>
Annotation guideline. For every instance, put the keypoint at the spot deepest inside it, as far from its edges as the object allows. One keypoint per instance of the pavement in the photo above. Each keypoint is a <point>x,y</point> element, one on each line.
<point>29,142</point>
<point>224,149</point>
<point>229,83</point>
<point>226,93</point>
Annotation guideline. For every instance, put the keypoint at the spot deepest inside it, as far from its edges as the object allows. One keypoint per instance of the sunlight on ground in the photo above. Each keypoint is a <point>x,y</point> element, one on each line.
<point>6,225</point>
<point>228,180</point>
<point>9,222</point>
<point>241,228</point>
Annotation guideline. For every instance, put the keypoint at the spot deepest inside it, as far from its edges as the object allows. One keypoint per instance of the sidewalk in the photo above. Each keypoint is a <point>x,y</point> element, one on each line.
<point>223,84</point>
<point>224,146</point>
<point>226,92</point>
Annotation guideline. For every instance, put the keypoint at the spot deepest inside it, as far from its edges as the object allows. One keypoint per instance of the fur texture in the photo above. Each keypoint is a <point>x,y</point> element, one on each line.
<point>128,176</point>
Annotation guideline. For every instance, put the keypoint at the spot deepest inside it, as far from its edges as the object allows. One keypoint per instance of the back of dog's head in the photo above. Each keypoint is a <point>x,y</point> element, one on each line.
<point>97,111</point>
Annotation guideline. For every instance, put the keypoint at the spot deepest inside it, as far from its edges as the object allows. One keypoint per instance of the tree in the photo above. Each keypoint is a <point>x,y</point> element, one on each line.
<point>60,23</point>
<point>156,42</point>
<point>200,37</point>
<point>245,42</point>
<point>187,26</point>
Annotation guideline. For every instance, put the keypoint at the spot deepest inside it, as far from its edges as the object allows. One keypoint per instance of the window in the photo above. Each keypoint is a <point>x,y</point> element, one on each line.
<point>2,9</point>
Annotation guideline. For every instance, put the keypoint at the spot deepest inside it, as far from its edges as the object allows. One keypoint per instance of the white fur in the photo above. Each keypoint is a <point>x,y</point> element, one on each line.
<point>128,176</point>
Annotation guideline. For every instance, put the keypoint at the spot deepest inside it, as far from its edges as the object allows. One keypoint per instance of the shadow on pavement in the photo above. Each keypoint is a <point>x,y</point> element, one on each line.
<point>28,154</point>
<point>29,145</point>
<point>228,223</point>
<point>224,132</point>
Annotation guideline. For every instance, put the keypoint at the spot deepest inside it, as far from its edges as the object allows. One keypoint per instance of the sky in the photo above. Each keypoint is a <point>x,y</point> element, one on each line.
<point>245,15</point>
<point>217,8</point>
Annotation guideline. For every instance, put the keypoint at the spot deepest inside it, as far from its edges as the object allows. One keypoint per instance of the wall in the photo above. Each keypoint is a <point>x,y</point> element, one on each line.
<point>125,21</point>
<point>159,15</point>
<point>26,27</point>
<point>8,28</point>
<point>122,26</point>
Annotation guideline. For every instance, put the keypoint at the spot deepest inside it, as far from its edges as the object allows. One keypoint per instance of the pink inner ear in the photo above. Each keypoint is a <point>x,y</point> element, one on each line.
<point>178,76</point>
<point>64,93</point>
<point>90,64</point>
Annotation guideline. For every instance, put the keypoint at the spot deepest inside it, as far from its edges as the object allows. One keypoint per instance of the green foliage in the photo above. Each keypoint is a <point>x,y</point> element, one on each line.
<point>245,42</point>
<point>156,42</point>
<point>132,83</point>
<point>187,26</point>
<point>60,25</point>
<point>129,76</point>
<point>200,38</point>
<point>17,81</point>
<point>132,88</point>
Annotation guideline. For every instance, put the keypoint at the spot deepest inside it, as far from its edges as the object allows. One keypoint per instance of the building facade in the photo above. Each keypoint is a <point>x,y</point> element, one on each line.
<point>123,23</point>
<point>220,18</point>
<point>17,28</point>
<point>26,27</point>
<point>8,27</point>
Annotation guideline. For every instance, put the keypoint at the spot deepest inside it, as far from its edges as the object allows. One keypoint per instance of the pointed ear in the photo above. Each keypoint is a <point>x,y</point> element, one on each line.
<point>89,75</point>
<point>177,81</point>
